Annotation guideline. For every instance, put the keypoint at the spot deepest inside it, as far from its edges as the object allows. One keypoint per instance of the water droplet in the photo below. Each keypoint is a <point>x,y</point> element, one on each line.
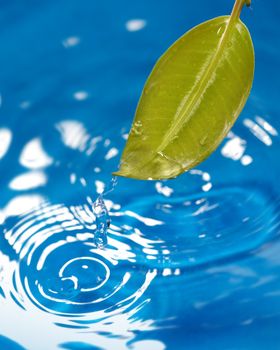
<point>102,221</point>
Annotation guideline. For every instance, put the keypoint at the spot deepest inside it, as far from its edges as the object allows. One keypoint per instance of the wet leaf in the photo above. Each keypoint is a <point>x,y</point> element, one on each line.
<point>192,98</point>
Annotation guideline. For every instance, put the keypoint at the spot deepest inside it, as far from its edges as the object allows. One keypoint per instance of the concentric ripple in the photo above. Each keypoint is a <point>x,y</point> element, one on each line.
<point>93,261</point>
<point>191,222</point>
<point>97,265</point>
<point>63,270</point>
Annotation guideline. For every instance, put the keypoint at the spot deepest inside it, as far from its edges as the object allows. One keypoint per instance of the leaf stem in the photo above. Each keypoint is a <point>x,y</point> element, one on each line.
<point>238,8</point>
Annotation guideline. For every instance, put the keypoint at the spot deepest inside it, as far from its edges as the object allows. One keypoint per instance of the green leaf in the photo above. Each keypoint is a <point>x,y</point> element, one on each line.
<point>192,98</point>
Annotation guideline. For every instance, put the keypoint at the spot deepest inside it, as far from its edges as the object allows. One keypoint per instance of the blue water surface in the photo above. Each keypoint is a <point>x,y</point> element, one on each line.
<point>191,263</point>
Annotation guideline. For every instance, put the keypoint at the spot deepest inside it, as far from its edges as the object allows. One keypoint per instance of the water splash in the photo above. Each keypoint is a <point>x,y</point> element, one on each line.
<point>102,221</point>
<point>102,215</point>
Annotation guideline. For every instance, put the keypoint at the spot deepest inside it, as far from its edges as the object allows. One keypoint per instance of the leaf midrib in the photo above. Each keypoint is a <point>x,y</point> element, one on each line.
<point>200,88</point>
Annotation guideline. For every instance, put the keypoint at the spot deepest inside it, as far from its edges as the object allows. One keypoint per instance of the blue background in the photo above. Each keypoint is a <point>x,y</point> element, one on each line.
<point>226,294</point>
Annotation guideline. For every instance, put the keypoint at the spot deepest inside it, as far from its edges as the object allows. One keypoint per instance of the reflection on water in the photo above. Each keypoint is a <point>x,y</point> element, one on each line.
<point>86,263</point>
<point>5,140</point>
<point>98,262</point>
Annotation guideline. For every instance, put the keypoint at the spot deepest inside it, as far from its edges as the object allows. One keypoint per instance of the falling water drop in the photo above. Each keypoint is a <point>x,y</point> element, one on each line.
<point>102,214</point>
<point>102,221</point>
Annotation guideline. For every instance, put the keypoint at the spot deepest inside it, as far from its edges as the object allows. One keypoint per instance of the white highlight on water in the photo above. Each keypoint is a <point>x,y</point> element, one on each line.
<point>5,141</point>
<point>135,25</point>
<point>29,180</point>
<point>71,41</point>
<point>33,155</point>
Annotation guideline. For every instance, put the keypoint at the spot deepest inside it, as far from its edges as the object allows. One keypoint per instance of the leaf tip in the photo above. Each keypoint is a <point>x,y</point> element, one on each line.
<point>116,173</point>
<point>122,173</point>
